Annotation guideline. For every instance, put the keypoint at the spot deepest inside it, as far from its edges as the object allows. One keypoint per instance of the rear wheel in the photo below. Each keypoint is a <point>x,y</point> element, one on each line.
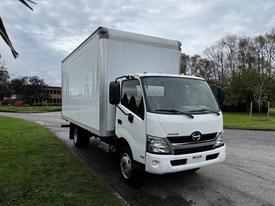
<point>128,171</point>
<point>80,137</point>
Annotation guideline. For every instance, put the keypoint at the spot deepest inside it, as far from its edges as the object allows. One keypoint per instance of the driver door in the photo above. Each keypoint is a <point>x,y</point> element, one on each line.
<point>134,131</point>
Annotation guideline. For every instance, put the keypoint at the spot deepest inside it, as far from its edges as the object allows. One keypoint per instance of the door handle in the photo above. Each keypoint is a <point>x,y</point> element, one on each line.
<point>119,121</point>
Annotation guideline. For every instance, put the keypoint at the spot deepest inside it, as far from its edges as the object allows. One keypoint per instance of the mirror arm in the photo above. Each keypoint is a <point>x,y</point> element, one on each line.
<point>124,76</point>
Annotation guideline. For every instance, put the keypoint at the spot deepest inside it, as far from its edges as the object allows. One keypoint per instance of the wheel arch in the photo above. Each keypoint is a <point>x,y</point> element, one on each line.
<point>71,131</point>
<point>122,142</point>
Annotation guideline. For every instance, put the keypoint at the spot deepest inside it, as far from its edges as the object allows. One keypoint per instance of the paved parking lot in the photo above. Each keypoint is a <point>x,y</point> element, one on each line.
<point>247,177</point>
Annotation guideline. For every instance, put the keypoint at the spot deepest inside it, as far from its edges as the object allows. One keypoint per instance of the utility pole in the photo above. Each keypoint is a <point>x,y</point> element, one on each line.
<point>190,69</point>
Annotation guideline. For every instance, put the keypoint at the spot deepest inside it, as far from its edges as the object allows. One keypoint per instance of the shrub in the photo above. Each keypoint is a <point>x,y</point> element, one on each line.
<point>55,104</point>
<point>44,104</point>
<point>18,103</point>
<point>9,101</point>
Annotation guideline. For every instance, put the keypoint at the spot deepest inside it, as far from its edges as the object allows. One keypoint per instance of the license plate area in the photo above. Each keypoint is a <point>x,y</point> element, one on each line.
<point>197,158</point>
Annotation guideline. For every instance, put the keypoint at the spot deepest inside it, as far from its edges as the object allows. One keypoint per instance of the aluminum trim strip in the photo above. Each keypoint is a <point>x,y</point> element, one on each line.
<point>188,143</point>
<point>194,145</point>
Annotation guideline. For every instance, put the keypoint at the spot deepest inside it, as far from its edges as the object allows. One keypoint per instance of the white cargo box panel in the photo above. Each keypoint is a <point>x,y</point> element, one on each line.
<point>101,58</point>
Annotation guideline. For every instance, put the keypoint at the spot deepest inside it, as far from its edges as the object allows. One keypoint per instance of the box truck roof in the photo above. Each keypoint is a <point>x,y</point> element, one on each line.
<point>103,32</point>
<point>165,75</point>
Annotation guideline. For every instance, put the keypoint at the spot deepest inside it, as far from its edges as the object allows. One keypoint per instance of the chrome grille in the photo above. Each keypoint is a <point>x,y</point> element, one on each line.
<point>193,150</point>
<point>188,139</point>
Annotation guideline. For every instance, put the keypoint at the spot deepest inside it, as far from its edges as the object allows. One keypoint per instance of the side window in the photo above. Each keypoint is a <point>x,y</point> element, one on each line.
<point>131,97</point>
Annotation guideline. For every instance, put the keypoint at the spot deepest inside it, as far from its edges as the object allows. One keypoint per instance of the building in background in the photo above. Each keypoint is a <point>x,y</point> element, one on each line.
<point>47,95</point>
<point>53,95</point>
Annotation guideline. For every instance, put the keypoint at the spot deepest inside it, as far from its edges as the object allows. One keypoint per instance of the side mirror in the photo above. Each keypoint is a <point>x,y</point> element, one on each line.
<point>114,92</point>
<point>220,96</point>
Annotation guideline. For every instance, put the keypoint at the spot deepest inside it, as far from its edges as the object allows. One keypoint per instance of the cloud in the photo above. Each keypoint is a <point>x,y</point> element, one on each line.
<point>45,36</point>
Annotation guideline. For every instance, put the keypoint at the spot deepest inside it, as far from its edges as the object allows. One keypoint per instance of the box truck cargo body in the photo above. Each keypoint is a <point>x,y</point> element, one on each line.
<point>104,56</point>
<point>124,90</point>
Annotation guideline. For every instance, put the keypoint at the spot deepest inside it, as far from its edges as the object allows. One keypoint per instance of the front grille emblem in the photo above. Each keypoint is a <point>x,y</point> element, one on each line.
<point>196,136</point>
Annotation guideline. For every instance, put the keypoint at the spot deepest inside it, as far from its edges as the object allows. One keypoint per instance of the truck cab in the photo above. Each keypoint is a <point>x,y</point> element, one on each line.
<point>166,123</point>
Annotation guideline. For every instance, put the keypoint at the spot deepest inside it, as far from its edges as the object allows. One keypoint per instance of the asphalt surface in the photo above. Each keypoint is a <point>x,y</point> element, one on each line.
<point>247,177</point>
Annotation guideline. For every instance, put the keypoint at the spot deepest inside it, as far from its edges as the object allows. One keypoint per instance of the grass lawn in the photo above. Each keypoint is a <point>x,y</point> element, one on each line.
<point>29,109</point>
<point>272,110</point>
<point>37,169</point>
<point>243,121</point>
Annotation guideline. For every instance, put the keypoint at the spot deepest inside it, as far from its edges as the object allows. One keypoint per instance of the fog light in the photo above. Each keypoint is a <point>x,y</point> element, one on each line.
<point>155,163</point>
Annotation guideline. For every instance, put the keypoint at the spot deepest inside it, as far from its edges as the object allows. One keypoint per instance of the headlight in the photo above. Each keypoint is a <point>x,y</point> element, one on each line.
<point>157,145</point>
<point>219,142</point>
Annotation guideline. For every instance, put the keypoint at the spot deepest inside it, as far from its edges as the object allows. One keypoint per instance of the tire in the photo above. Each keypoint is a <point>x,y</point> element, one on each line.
<point>128,171</point>
<point>80,137</point>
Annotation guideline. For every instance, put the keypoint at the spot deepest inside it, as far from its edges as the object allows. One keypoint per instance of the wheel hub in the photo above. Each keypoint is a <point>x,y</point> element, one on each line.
<point>126,166</point>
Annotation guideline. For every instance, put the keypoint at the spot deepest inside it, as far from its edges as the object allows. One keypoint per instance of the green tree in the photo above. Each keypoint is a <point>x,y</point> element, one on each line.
<point>29,88</point>
<point>34,89</point>
<point>17,85</point>
<point>4,80</point>
<point>243,66</point>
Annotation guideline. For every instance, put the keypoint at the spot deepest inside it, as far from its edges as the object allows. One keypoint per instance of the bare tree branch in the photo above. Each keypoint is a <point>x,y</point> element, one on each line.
<point>26,4</point>
<point>4,33</point>
<point>5,37</point>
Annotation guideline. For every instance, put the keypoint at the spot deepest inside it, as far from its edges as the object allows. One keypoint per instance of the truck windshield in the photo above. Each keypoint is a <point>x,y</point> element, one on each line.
<point>179,95</point>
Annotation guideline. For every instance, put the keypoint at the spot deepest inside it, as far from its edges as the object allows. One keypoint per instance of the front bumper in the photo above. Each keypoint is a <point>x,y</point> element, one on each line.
<point>161,164</point>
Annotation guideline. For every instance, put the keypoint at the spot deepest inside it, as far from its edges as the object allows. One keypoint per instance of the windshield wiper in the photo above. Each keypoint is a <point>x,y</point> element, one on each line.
<point>205,110</point>
<point>175,111</point>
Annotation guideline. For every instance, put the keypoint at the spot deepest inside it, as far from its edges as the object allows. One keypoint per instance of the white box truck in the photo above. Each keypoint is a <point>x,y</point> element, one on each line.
<point>124,90</point>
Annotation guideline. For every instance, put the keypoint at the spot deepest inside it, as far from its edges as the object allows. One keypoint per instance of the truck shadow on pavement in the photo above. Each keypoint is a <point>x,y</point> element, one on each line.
<point>105,166</point>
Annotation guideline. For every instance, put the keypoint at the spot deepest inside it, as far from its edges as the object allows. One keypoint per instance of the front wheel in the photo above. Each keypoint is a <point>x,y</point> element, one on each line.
<point>128,171</point>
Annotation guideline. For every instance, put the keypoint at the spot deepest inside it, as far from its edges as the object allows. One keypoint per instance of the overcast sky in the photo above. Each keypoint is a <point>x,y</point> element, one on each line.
<point>45,36</point>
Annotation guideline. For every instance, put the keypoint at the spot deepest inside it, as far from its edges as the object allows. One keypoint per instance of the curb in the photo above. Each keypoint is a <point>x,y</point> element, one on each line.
<point>252,129</point>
